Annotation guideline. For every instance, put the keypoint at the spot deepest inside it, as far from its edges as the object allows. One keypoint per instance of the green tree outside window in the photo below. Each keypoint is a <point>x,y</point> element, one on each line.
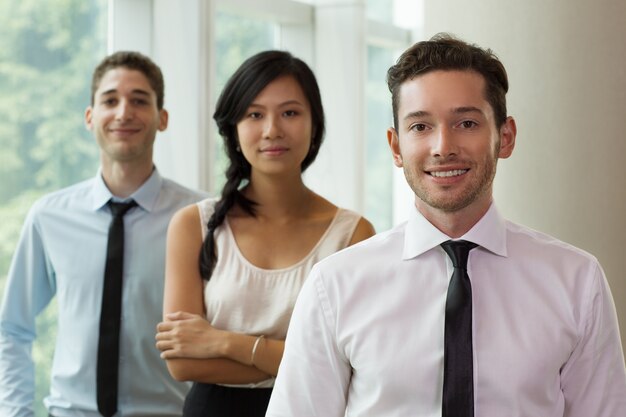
<point>48,50</point>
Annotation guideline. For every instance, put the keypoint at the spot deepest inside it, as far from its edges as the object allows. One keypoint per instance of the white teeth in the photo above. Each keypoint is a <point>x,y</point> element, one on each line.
<point>453,173</point>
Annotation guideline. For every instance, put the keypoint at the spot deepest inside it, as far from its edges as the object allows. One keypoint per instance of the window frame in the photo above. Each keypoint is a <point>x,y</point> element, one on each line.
<point>182,153</point>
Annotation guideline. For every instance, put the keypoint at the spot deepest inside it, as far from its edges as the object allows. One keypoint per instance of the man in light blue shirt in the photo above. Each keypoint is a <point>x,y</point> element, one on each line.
<point>62,251</point>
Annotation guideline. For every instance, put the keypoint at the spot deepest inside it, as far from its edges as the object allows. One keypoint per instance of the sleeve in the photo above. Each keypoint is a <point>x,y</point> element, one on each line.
<point>314,376</point>
<point>594,379</point>
<point>29,288</point>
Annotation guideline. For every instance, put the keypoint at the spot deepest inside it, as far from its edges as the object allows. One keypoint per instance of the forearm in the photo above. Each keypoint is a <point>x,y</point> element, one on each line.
<point>214,371</point>
<point>190,336</point>
<point>597,361</point>
<point>267,353</point>
<point>29,288</point>
<point>17,384</point>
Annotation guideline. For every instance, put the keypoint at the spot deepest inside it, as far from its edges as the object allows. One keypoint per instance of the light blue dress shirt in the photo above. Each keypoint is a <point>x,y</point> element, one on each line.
<point>62,252</point>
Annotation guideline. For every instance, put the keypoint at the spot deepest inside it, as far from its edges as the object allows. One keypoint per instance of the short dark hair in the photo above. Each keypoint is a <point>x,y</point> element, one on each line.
<point>238,94</point>
<point>445,52</point>
<point>134,61</point>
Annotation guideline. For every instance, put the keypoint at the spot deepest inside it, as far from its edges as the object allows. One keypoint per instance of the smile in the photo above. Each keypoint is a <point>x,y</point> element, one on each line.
<point>274,150</point>
<point>453,173</point>
<point>124,132</point>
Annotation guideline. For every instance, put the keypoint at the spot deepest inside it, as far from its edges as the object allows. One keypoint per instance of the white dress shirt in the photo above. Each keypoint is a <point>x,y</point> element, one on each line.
<point>62,252</point>
<point>367,334</point>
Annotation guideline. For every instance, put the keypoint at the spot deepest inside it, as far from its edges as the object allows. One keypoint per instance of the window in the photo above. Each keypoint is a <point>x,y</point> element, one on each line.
<point>236,38</point>
<point>48,51</point>
<point>378,162</point>
<point>388,198</point>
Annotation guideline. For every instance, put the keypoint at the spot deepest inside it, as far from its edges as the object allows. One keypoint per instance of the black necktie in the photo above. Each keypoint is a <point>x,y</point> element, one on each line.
<point>458,375</point>
<point>109,341</point>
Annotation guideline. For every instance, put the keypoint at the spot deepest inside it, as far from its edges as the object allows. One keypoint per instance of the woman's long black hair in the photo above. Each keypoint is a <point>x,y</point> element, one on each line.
<point>240,90</point>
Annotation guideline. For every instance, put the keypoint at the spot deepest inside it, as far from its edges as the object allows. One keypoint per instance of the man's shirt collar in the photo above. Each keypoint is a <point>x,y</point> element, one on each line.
<point>146,196</point>
<point>421,236</point>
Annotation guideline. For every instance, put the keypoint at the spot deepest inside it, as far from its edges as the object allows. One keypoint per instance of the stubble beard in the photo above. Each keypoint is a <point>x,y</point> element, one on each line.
<point>450,202</point>
<point>121,151</point>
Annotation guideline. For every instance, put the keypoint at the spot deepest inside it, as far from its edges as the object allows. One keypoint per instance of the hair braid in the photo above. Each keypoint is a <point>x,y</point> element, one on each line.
<point>243,86</point>
<point>231,196</point>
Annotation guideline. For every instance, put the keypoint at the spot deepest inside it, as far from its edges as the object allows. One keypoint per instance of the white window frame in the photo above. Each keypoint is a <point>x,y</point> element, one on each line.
<point>331,35</point>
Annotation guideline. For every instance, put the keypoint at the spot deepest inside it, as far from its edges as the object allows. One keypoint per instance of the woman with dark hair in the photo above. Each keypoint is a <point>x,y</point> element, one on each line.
<point>235,264</point>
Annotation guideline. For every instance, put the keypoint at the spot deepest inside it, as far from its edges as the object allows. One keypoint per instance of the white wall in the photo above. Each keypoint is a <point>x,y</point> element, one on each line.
<point>566,62</point>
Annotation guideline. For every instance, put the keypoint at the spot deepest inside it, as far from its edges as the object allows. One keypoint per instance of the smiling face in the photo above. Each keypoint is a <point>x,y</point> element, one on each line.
<point>124,117</point>
<point>275,132</point>
<point>447,141</point>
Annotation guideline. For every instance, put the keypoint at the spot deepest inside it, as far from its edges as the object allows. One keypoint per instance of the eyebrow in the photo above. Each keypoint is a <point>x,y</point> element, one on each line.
<point>136,91</point>
<point>458,110</point>
<point>468,109</point>
<point>283,104</point>
<point>416,114</point>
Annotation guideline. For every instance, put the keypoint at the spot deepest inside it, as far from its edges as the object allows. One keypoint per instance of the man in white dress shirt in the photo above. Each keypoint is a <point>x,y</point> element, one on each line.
<point>367,334</point>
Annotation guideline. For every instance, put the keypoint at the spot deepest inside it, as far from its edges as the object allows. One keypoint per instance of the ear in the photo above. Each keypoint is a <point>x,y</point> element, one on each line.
<point>394,145</point>
<point>508,131</point>
<point>88,115</point>
<point>163,118</point>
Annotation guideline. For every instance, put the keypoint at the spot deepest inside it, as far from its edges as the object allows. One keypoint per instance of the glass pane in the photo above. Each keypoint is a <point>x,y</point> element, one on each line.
<point>237,38</point>
<point>408,14</point>
<point>381,10</point>
<point>379,166</point>
<point>47,54</point>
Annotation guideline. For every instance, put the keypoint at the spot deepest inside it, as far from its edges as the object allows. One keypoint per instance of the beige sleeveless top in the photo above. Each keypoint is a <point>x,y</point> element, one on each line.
<point>243,298</point>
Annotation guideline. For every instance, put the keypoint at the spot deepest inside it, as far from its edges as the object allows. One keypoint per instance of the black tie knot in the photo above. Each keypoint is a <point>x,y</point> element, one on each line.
<point>120,209</point>
<point>458,251</point>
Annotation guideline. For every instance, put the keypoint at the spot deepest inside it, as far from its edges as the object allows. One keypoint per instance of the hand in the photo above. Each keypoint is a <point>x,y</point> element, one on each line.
<point>186,335</point>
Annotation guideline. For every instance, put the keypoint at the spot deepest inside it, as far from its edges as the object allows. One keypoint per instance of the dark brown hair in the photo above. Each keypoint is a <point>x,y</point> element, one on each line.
<point>445,52</point>
<point>239,92</point>
<point>133,61</point>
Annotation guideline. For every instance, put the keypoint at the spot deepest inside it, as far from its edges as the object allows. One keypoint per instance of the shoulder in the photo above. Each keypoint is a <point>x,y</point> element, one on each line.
<point>178,192</point>
<point>356,273</point>
<point>206,207</point>
<point>190,214</point>
<point>363,230</point>
<point>358,227</point>
<point>367,255</point>
<point>552,260</point>
<point>345,220</point>
<point>197,213</point>
<point>185,225</point>
<point>69,198</point>
<point>527,242</point>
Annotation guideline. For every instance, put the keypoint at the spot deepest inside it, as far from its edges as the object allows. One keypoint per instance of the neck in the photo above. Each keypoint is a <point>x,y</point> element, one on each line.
<point>283,198</point>
<point>123,179</point>
<point>454,223</point>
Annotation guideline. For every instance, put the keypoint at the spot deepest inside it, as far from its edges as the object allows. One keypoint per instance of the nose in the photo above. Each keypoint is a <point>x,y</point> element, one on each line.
<point>272,128</point>
<point>124,111</point>
<point>444,144</point>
